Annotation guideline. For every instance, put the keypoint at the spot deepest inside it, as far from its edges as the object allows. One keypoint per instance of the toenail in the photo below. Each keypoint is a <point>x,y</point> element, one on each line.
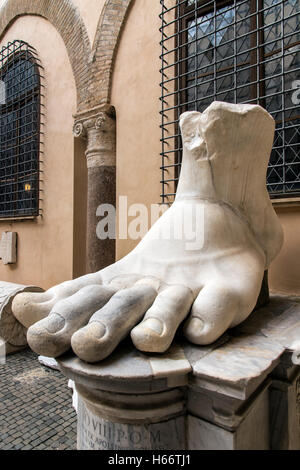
<point>195,326</point>
<point>97,330</point>
<point>154,324</point>
<point>55,323</point>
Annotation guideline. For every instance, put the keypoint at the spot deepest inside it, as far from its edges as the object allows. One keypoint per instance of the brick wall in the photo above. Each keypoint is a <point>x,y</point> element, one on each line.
<point>92,68</point>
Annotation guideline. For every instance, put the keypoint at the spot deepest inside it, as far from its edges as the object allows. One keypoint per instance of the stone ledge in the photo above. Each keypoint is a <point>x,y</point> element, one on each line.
<point>286,202</point>
<point>235,365</point>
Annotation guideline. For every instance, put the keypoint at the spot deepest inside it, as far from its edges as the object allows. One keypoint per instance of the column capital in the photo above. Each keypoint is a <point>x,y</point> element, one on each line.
<point>96,118</point>
<point>98,127</point>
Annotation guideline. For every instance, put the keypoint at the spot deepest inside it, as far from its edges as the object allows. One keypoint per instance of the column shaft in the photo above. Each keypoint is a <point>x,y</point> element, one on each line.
<point>99,131</point>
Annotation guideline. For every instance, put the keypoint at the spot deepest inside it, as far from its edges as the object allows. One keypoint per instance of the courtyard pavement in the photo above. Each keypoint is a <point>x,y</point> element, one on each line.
<point>35,406</point>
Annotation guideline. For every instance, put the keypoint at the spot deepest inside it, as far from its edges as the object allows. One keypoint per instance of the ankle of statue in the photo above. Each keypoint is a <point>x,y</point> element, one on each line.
<point>183,197</point>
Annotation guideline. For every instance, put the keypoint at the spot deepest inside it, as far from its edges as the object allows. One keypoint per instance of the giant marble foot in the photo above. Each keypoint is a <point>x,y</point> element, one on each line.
<point>210,283</point>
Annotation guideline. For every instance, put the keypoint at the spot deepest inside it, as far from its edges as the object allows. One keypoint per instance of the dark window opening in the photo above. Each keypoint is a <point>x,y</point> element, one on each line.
<point>235,51</point>
<point>20,102</point>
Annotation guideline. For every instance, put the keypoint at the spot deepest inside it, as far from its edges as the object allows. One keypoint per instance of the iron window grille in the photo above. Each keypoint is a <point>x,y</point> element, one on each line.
<point>237,51</point>
<point>20,130</point>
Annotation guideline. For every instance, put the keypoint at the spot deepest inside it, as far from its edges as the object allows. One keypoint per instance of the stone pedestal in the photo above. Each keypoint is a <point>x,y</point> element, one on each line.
<point>240,393</point>
<point>252,431</point>
<point>137,407</point>
<point>97,433</point>
<point>12,332</point>
<point>285,406</point>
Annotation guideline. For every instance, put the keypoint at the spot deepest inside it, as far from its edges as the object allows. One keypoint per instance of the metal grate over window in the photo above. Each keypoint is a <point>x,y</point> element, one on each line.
<point>243,51</point>
<point>20,112</point>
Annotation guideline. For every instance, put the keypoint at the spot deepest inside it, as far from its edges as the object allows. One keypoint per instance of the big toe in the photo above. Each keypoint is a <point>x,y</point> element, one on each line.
<point>30,307</point>
<point>46,337</point>
<point>112,323</point>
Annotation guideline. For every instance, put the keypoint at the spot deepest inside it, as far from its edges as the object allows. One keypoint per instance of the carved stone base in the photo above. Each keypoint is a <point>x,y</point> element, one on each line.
<point>285,406</point>
<point>96,433</point>
<point>11,330</point>
<point>240,393</point>
<point>251,433</point>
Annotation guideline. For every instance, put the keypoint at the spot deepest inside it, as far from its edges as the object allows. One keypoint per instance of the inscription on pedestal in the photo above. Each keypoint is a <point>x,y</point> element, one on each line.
<point>95,433</point>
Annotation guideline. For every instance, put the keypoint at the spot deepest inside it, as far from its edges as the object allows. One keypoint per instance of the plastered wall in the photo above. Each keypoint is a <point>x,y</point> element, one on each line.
<point>135,94</point>
<point>45,245</point>
<point>90,11</point>
<point>285,270</point>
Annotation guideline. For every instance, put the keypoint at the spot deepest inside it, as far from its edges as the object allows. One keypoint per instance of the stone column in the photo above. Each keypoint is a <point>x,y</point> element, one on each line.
<point>98,127</point>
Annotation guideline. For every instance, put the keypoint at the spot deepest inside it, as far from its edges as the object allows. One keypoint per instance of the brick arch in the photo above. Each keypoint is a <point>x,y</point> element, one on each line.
<point>65,17</point>
<point>105,47</point>
<point>92,68</point>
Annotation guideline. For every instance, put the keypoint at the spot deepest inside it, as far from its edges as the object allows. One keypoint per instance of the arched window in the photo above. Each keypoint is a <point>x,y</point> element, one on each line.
<point>239,51</point>
<point>19,131</point>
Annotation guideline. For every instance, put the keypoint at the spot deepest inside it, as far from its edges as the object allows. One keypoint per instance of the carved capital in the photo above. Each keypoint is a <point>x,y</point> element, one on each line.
<point>99,131</point>
<point>100,121</point>
<point>79,130</point>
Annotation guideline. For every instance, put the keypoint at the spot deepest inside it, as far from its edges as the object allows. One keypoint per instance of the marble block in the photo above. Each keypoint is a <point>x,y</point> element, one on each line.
<point>11,330</point>
<point>2,352</point>
<point>251,434</point>
<point>75,400</point>
<point>8,247</point>
<point>285,405</point>
<point>49,362</point>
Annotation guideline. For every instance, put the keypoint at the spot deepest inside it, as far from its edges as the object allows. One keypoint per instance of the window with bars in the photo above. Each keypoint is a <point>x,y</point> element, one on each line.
<point>245,51</point>
<point>19,130</point>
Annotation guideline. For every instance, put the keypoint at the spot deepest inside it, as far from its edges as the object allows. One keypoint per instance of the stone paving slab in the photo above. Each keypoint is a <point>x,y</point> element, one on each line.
<point>35,406</point>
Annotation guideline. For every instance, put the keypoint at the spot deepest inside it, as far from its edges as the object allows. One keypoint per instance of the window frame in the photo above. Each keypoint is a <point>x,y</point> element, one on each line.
<point>183,15</point>
<point>23,51</point>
